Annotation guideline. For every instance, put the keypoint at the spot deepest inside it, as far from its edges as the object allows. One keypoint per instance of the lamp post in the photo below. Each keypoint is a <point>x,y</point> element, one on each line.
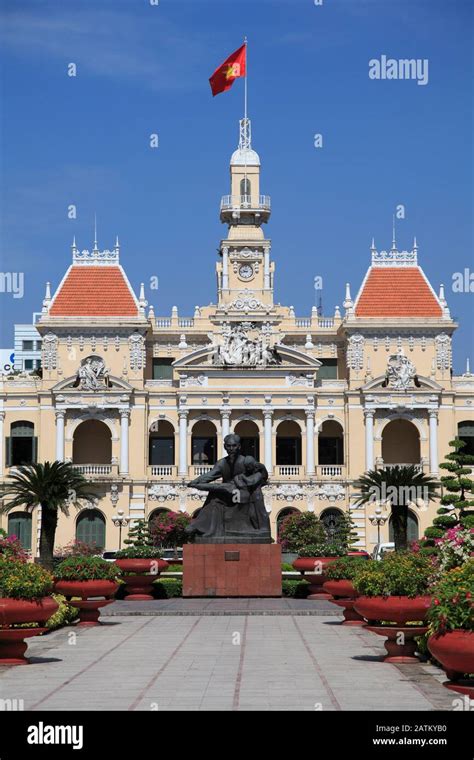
<point>378,519</point>
<point>120,521</point>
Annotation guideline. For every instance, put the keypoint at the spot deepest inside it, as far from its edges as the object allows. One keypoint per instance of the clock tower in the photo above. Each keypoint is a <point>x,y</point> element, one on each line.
<point>245,273</point>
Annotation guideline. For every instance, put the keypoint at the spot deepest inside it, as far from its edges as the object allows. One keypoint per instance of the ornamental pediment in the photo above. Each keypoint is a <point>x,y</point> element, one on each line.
<point>416,385</point>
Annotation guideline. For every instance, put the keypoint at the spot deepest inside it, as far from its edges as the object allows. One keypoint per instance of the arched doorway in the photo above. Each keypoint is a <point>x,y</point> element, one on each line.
<point>161,443</point>
<point>330,518</point>
<point>92,443</point>
<point>249,438</point>
<point>412,528</point>
<point>19,525</point>
<point>331,443</point>
<point>288,443</point>
<point>401,443</point>
<point>90,528</point>
<point>466,434</point>
<point>282,515</point>
<point>204,443</point>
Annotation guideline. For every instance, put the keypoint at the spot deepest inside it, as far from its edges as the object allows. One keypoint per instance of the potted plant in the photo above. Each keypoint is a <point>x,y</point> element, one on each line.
<point>451,619</point>
<point>340,576</point>
<point>141,561</point>
<point>395,592</point>
<point>87,577</point>
<point>25,590</point>
<point>304,533</point>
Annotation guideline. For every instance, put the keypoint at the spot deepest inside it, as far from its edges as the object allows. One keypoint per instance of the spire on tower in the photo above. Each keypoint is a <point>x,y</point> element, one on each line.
<point>394,242</point>
<point>95,233</point>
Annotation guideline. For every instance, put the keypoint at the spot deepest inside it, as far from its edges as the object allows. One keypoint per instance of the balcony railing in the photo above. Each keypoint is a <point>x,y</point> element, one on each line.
<point>289,470</point>
<point>419,465</point>
<point>96,470</point>
<point>201,469</point>
<point>245,201</point>
<point>330,470</point>
<point>162,470</point>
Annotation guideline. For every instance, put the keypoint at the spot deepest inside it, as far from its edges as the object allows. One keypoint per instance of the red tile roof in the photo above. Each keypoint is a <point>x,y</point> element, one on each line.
<point>396,292</point>
<point>90,291</point>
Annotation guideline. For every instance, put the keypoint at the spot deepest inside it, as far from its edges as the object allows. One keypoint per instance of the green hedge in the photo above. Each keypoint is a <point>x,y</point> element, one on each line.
<point>297,589</point>
<point>168,588</point>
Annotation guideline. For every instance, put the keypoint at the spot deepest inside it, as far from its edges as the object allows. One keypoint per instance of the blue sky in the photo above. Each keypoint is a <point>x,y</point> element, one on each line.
<point>144,69</point>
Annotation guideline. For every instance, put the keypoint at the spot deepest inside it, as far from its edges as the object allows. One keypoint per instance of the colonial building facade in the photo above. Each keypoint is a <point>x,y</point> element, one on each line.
<point>140,403</point>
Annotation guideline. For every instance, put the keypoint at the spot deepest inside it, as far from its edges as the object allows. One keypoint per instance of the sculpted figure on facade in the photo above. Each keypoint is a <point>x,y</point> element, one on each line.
<point>92,374</point>
<point>401,372</point>
<point>237,348</point>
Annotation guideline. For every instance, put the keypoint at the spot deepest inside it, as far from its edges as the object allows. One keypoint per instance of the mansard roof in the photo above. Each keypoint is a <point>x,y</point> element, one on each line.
<point>95,285</point>
<point>396,286</point>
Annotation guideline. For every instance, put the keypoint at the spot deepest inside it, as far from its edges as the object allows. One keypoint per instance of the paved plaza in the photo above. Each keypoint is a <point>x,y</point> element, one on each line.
<point>285,661</point>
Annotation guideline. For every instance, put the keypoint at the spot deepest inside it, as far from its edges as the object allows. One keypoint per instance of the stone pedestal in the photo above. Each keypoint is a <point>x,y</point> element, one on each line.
<point>226,570</point>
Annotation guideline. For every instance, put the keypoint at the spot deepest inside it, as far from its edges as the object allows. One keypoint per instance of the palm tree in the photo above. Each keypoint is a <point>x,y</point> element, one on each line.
<point>397,486</point>
<point>52,485</point>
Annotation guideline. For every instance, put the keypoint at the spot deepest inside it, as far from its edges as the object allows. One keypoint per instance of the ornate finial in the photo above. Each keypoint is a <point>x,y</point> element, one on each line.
<point>468,369</point>
<point>337,313</point>
<point>95,233</point>
<point>117,244</point>
<point>441,295</point>
<point>394,242</point>
<point>142,302</point>
<point>151,313</point>
<point>372,247</point>
<point>415,245</point>
<point>348,303</point>
<point>47,298</point>
<point>73,246</point>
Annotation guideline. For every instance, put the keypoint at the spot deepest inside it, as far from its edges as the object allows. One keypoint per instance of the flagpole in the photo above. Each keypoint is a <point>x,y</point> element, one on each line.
<point>245,87</point>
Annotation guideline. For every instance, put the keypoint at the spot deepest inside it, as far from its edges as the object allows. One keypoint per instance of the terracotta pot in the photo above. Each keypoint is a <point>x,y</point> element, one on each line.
<point>342,588</point>
<point>400,643</point>
<point>88,608</point>
<point>86,589</point>
<point>363,554</point>
<point>14,611</point>
<point>394,609</point>
<point>312,570</point>
<point>139,586</point>
<point>455,651</point>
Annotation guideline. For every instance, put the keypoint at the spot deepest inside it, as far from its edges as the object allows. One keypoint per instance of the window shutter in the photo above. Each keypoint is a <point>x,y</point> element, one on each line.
<point>8,451</point>
<point>34,450</point>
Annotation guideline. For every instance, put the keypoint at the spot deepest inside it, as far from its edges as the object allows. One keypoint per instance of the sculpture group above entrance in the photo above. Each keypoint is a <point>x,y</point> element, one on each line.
<point>236,347</point>
<point>92,374</point>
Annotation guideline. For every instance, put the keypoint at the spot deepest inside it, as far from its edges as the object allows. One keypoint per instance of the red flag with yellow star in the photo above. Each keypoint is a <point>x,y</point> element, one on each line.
<point>233,67</point>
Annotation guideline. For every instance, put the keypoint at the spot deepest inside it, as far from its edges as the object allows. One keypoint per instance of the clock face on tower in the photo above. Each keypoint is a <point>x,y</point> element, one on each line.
<point>245,271</point>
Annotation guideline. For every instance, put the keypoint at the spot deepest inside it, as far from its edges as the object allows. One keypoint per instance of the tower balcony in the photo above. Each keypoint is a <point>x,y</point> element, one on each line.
<point>250,209</point>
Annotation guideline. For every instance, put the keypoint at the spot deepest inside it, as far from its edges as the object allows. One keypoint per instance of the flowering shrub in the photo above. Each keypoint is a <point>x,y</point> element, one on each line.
<point>64,615</point>
<point>23,580</point>
<point>303,532</point>
<point>168,529</point>
<point>10,546</point>
<point>397,574</point>
<point>346,568</point>
<point>455,547</point>
<point>76,548</point>
<point>86,569</point>
<point>453,596</point>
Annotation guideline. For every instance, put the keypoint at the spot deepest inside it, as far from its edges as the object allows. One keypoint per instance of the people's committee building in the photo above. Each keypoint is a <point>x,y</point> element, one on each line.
<point>140,403</point>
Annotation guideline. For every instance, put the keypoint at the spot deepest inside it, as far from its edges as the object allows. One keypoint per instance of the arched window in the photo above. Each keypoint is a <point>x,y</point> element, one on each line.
<point>466,434</point>
<point>204,443</point>
<point>245,188</point>
<point>331,443</point>
<point>412,527</point>
<point>19,525</point>
<point>288,443</point>
<point>161,443</point>
<point>400,443</point>
<point>249,438</point>
<point>92,443</point>
<point>21,446</point>
<point>90,528</point>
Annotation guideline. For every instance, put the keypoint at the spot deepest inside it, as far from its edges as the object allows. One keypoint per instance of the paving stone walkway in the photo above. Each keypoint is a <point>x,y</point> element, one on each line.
<point>219,662</point>
<point>235,606</point>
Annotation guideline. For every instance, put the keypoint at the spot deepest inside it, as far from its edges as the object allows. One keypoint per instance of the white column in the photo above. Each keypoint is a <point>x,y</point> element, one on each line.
<point>2,449</point>
<point>225,427</point>
<point>369,439</point>
<point>60,415</point>
<point>434,443</point>
<point>124,415</point>
<point>310,442</point>
<point>267,430</point>
<point>225,269</point>
<point>183,442</point>
<point>266,268</point>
